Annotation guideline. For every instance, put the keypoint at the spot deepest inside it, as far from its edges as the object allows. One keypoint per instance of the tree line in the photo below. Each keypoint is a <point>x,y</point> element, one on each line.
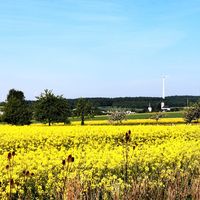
<point>48,108</point>
<point>137,104</point>
<point>140,104</point>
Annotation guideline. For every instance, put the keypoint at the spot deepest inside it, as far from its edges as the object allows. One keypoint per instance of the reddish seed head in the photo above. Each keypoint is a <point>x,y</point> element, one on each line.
<point>11,182</point>
<point>27,173</point>
<point>9,156</point>
<point>24,172</point>
<point>63,162</point>
<point>13,153</point>
<point>32,174</point>
<point>7,167</point>
<point>128,137</point>
<point>70,159</point>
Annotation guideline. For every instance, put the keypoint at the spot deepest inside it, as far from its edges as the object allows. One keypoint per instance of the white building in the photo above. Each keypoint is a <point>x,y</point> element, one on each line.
<point>150,108</point>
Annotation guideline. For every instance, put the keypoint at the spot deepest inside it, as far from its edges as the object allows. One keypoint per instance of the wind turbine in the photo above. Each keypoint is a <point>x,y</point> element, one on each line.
<point>163,92</point>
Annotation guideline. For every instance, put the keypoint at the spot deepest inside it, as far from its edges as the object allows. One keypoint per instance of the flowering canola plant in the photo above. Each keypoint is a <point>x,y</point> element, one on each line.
<point>64,162</point>
<point>162,121</point>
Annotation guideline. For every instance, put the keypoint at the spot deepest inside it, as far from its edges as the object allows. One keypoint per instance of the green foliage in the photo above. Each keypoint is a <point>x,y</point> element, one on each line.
<point>16,109</point>
<point>15,94</point>
<point>192,113</point>
<point>97,111</point>
<point>83,108</point>
<point>140,104</point>
<point>50,108</point>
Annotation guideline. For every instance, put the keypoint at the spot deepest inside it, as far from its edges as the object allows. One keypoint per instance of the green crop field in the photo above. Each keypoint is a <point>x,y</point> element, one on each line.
<point>138,116</point>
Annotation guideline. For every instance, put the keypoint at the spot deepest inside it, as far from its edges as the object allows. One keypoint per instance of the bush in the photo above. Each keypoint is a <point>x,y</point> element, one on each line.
<point>192,113</point>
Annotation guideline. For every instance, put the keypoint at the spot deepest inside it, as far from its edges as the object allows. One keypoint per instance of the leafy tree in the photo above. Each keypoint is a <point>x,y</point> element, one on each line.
<point>50,108</point>
<point>192,113</point>
<point>15,94</point>
<point>16,109</point>
<point>157,116</point>
<point>83,109</point>
<point>117,116</point>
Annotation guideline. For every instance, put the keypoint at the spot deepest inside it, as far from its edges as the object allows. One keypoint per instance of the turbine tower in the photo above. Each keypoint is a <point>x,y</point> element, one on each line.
<point>163,92</point>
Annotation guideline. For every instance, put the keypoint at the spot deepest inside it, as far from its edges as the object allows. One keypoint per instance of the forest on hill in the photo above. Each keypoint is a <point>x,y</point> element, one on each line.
<point>136,103</point>
<point>140,103</point>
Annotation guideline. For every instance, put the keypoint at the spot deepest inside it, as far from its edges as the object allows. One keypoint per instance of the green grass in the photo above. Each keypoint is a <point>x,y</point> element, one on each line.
<point>137,116</point>
<point>148,115</point>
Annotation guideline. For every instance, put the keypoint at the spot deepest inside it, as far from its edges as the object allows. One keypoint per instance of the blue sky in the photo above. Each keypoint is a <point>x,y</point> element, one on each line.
<point>100,48</point>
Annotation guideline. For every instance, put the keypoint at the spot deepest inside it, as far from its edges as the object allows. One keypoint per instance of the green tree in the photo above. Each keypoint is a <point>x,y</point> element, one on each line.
<point>15,94</point>
<point>50,108</point>
<point>192,113</point>
<point>83,109</point>
<point>16,109</point>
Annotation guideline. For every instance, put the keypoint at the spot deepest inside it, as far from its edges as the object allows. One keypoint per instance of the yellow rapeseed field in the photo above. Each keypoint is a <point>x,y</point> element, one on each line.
<point>99,162</point>
<point>162,121</point>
